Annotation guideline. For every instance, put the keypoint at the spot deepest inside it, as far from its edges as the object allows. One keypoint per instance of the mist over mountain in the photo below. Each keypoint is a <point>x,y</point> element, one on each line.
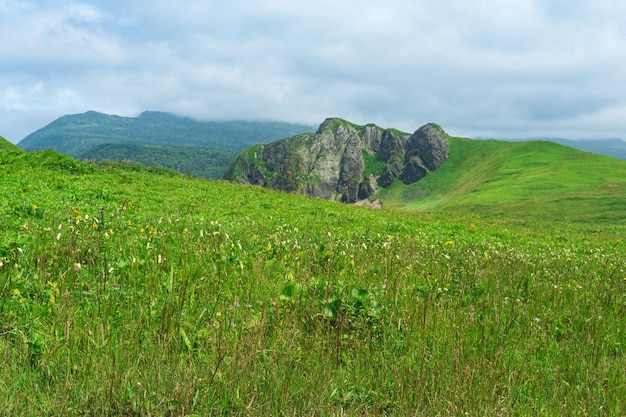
<point>76,134</point>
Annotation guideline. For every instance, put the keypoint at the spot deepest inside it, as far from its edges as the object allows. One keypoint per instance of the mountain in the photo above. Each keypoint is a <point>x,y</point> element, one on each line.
<point>431,170</point>
<point>5,144</point>
<point>76,134</point>
<point>196,161</point>
<point>342,161</point>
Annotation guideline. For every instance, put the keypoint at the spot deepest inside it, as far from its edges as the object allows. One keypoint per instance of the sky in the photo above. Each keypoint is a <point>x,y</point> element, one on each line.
<point>505,69</point>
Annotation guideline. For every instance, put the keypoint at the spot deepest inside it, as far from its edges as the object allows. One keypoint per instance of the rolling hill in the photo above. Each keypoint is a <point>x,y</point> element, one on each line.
<point>615,148</point>
<point>523,179</point>
<point>5,144</point>
<point>196,161</point>
<point>77,133</point>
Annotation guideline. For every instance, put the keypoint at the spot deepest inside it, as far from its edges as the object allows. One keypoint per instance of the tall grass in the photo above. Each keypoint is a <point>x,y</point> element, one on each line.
<point>129,292</point>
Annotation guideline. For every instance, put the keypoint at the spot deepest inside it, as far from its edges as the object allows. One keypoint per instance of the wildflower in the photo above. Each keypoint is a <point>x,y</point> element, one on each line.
<point>185,231</point>
<point>249,305</point>
<point>218,314</point>
<point>384,286</point>
<point>85,292</point>
<point>54,292</point>
<point>47,274</point>
<point>16,293</point>
<point>450,242</point>
<point>537,319</point>
<point>116,286</point>
<point>273,303</point>
<point>236,304</point>
<point>34,206</point>
<point>94,226</point>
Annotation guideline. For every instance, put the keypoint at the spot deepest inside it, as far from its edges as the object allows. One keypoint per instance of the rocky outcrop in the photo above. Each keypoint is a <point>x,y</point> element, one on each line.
<point>430,145</point>
<point>332,163</point>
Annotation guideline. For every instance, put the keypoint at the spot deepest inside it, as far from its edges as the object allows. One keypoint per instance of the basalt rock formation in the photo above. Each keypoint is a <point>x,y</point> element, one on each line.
<point>342,161</point>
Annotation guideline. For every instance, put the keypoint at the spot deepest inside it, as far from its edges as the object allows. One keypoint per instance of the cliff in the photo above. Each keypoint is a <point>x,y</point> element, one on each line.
<point>342,161</point>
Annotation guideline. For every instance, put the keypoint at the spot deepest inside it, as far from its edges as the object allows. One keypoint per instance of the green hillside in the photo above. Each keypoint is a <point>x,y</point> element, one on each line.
<point>5,144</point>
<point>77,133</point>
<point>197,161</point>
<point>519,179</point>
<point>133,291</point>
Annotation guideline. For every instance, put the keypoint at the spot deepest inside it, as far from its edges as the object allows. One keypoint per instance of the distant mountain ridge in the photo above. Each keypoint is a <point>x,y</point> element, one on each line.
<point>76,134</point>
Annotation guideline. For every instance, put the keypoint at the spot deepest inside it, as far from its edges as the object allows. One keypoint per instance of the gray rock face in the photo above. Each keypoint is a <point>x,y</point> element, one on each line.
<point>330,164</point>
<point>391,172</point>
<point>413,171</point>
<point>367,187</point>
<point>430,145</point>
<point>391,146</point>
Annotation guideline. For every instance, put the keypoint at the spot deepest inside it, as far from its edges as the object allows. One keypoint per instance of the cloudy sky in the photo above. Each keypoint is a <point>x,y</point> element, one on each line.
<point>485,68</point>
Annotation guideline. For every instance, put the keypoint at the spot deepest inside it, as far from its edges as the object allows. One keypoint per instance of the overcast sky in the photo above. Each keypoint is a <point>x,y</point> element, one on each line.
<point>482,68</point>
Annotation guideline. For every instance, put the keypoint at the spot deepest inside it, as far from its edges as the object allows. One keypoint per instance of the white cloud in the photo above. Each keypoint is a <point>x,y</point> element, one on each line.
<point>504,68</point>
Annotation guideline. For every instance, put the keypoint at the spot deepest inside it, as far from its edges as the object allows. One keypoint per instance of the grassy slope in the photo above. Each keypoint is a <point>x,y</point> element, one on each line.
<point>126,291</point>
<point>5,144</point>
<point>520,179</point>
<point>197,161</point>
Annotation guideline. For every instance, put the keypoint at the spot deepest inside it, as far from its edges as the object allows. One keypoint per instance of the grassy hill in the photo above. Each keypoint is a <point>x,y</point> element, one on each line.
<point>197,161</point>
<point>520,179</point>
<point>615,148</point>
<point>5,144</point>
<point>133,291</point>
<point>77,133</point>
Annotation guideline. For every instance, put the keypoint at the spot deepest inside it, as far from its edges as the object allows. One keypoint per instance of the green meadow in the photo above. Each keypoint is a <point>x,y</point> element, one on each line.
<point>140,292</point>
<point>523,180</point>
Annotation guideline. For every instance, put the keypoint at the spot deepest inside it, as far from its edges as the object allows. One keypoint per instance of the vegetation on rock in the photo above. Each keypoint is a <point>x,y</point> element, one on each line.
<point>333,163</point>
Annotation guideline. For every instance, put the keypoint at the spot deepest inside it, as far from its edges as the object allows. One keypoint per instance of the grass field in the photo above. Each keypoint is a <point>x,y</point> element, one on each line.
<point>5,144</point>
<point>525,180</point>
<point>135,292</point>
